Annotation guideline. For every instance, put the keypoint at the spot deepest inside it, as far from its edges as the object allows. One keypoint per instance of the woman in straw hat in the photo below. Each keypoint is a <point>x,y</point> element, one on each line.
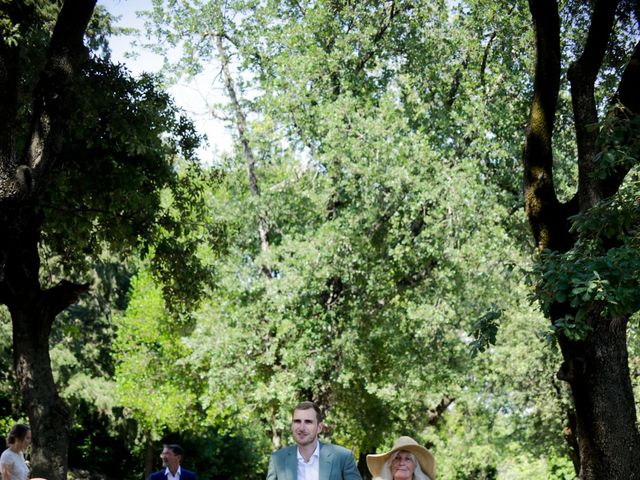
<point>407,460</point>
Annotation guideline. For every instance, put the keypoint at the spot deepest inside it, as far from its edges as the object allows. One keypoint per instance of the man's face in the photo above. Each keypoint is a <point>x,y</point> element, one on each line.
<point>170,459</point>
<point>305,427</point>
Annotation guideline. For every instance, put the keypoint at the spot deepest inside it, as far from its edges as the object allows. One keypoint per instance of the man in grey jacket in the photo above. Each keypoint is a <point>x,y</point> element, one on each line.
<point>311,459</point>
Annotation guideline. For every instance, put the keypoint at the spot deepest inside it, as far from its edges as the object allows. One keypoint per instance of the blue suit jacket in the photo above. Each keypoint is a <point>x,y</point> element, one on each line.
<point>336,463</point>
<point>184,474</point>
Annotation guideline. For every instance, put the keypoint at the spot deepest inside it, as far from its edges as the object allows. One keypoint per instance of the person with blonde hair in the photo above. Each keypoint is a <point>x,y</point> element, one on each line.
<point>407,460</point>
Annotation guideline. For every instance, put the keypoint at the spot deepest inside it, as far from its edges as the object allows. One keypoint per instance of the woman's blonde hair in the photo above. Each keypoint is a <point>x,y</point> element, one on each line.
<point>385,473</point>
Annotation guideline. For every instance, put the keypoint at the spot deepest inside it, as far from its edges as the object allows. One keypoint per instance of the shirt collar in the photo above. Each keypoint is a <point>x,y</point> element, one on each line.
<point>315,454</point>
<point>167,472</point>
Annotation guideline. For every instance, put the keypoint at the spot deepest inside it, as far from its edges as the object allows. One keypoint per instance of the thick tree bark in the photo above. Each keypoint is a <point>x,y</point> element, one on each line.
<point>544,211</point>
<point>48,416</point>
<point>362,466</point>
<point>23,180</point>
<point>148,456</point>
<point>598,373</point>
<point>33,311</point>
<point>597,367</point>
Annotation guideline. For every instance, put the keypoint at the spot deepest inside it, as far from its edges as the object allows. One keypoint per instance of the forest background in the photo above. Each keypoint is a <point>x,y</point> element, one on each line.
<point>365,244</point>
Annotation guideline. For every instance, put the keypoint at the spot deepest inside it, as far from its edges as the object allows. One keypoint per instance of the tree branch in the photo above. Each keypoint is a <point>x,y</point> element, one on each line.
<point>485,57</point>
<point>62,295</point>
<point>455,84</point>
<point>434,415</point>
<point>241,125</point>
<point>625,102</point>
<point>53,91</point>
<point>487,49</point>
<point>582,75</point>
<point>628,93</point>
<point>300,8</point>
<point>541,203</point>
<point>393,12</point>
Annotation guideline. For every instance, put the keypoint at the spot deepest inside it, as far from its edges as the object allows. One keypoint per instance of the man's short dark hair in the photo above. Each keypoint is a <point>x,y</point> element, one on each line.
<point>308,406</point>
<point>175,448</point>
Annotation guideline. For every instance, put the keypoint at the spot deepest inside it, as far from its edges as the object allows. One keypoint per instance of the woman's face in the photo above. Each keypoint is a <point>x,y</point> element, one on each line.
<point>402,466</point>
<point>25,442</point>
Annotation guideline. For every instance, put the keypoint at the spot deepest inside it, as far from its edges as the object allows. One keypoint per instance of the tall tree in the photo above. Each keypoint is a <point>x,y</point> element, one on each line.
<point>26,167</point>
<point>82,163</point>
<point>588,265</point>
<point>373,147</point>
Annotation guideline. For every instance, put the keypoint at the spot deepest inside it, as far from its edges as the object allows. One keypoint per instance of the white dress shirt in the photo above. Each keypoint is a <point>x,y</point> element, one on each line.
<point>309,470</point>
<point>169,476</point>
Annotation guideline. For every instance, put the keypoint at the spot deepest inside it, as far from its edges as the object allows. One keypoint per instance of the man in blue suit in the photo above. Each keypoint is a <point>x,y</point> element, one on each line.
<point>171,458</point>
<point>311,459</point>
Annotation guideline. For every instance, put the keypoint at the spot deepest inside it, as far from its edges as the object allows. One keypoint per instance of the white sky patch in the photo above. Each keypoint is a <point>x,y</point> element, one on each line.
<point>199,96</point>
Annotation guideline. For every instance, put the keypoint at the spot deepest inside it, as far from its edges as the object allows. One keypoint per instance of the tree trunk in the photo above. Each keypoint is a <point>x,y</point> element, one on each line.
<point>33,311</point>
<point>362,466</point>
<point>276,436</point>
<point>148,456</point>
<point>48,416</point>
<point>597,370</point>
<point>24,177</point>
<point>595,367</point>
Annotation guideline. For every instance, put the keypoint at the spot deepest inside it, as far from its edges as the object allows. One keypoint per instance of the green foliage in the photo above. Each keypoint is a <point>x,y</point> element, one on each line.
<point>9,32</point>
<point>601,269</point>
<point>386,160</point>
<point>8,393</point>
<point>122,186</point>
<point>485,330</point>
<point>148,347</point>
<point>388,165</point>
<point>354,292</point>
<point>634,354</point>
<point>619,142</point>
<point>126,151</point>
<point>561,468</point>
<point>116,162</point>
<point>95,441</point>
<point>186,238</point>
<point>216,455</point>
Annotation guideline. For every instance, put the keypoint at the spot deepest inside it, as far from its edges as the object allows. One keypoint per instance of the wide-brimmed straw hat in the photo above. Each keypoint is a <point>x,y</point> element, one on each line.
<point>375,462</point>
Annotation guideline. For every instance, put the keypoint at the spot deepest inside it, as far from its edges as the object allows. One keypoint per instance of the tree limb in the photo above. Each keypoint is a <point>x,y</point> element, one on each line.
<point>487,49</point>
<point>241,125</point>
<point>52,93</point>
<point>393,12</point>
<point>625,102</point>
<point>485,57</point>
<point>434,415</point>
<point>628,93</point>
<point>455,84</point>
<point>582,75</point>
<point>541,202</point>
<point>62,295</point>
